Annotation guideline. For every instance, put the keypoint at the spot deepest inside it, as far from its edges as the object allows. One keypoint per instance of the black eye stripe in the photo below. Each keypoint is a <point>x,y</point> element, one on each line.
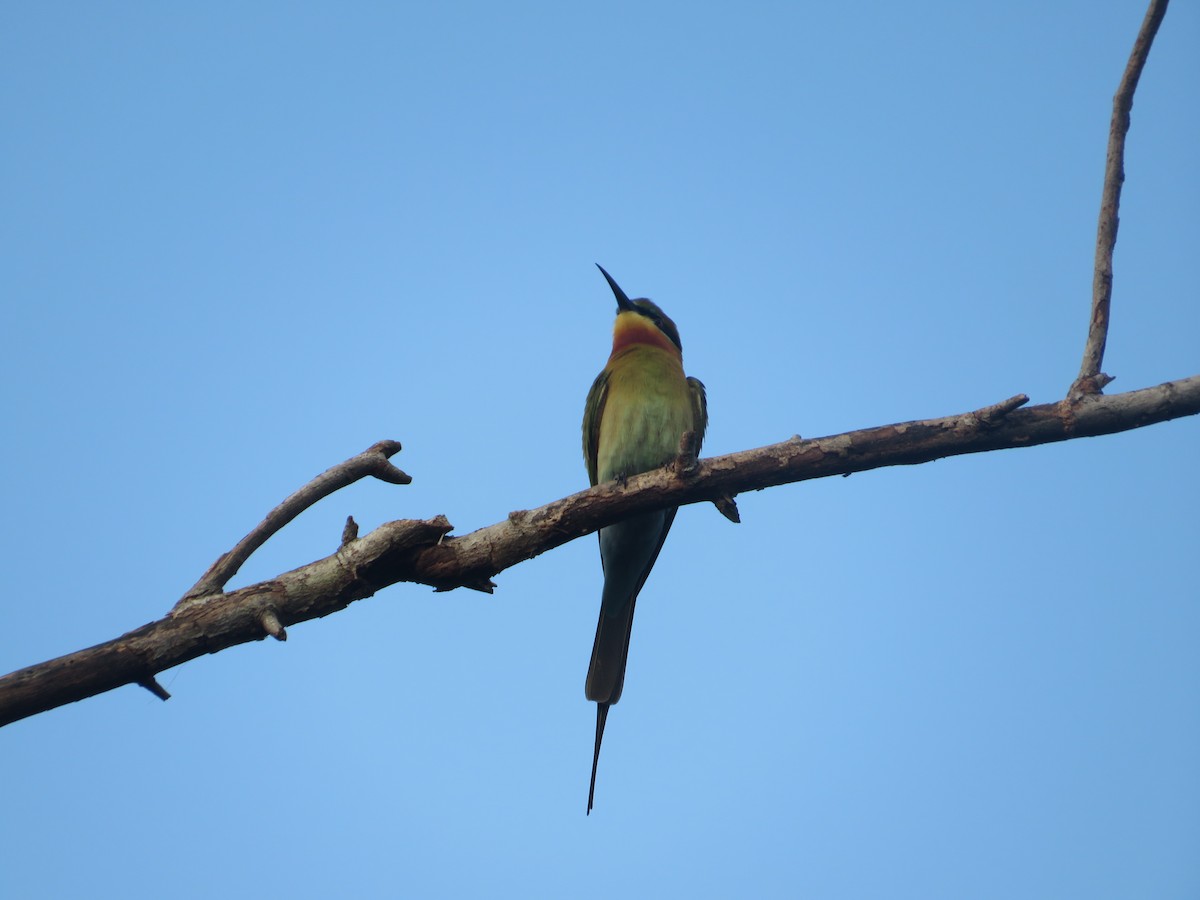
<point>662,322</point>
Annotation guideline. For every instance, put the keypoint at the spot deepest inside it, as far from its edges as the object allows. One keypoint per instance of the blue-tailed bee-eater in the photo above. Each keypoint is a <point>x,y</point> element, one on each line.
<point>637,411</point>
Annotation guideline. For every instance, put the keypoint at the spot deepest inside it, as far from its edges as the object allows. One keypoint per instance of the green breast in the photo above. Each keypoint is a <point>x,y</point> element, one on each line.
<point>647,410</point>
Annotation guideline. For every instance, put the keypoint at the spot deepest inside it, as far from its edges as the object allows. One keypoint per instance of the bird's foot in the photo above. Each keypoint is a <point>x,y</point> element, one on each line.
<point>686,462</point>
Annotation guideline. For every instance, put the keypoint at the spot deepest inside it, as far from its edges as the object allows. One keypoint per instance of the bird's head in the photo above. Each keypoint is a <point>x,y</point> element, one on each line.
<point>640,321</point>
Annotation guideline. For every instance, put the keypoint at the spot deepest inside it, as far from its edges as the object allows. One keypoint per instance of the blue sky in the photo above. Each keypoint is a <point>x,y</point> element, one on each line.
<point>243,242</point>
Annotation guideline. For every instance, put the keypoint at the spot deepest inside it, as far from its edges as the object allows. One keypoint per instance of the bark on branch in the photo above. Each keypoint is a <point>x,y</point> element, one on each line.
<point>420,551</point>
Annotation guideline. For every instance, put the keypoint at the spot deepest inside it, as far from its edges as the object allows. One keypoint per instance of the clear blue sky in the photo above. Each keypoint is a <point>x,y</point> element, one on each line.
<point>242,242</point>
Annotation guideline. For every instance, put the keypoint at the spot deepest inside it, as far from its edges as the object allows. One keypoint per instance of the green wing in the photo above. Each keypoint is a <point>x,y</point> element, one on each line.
<point>593,411</point>
<point>699,410</point>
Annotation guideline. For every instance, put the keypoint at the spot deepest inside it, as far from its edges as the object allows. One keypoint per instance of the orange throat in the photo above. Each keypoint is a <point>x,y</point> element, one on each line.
<point>633,330</point>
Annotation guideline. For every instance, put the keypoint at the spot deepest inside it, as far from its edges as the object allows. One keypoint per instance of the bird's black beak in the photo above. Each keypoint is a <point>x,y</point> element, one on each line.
<point>623,303</point>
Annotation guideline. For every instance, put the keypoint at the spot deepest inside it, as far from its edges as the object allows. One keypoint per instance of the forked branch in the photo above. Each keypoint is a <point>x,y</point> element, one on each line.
<point>374,461</point>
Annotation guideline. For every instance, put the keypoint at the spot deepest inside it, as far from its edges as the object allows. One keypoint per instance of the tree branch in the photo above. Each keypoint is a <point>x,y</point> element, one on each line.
<point>216,622</point>
<point>420,551</point>
<point>1090,379</point>
<point>373,461</point>
<point>207,620</point>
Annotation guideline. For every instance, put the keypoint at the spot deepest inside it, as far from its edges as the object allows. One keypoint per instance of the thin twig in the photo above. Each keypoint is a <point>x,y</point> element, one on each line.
<point>728,507</point>
<point>373,461</point>
<point>1090,379</point>
<point>151,684</point>
<point>997,411</point>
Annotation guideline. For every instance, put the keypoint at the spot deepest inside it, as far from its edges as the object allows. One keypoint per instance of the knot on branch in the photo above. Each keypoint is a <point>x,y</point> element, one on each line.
<point>350,532</point>
<point>269,619</point>
<point>1089,386</point>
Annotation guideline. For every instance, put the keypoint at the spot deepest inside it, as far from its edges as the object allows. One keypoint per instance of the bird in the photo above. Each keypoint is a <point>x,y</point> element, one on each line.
<point>637,412</point>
